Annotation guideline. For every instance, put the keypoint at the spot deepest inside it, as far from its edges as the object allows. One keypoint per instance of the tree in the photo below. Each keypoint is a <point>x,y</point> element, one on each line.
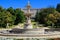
<point>37,16</point>
<point>5,17</point>
<point>11,10</point>
<point>46,16</point>
<point>58,7</point>
<point>11,16</point>
<point>1,8</point>
<point>43,14</point>
<point>51,19</point>
<point>20,18</point>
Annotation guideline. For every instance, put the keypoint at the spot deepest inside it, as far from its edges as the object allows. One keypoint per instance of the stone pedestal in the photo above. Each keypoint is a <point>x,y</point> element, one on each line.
<point>28,24</point>
<point>7,25</point>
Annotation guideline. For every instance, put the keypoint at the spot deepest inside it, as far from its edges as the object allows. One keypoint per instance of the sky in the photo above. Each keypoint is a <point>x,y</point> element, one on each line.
<point>33,3</point>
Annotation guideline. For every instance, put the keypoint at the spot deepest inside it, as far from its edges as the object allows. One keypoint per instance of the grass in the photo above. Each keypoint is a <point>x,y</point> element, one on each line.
<point>34,24</point>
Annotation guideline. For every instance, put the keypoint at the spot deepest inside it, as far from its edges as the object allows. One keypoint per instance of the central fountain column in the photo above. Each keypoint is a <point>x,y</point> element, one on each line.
<point>28,24</point>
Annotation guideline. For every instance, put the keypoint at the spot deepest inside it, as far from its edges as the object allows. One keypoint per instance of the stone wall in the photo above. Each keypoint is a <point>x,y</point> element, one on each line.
<point>53,29</point>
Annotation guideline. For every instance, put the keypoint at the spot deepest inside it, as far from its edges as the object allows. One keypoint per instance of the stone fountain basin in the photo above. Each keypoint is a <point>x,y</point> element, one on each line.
<point>30,31</point>
<point>22,31</point>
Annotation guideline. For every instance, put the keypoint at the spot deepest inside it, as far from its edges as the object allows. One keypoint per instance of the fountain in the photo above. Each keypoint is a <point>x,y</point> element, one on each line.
<point>28,30</point>
<point>28,24</point>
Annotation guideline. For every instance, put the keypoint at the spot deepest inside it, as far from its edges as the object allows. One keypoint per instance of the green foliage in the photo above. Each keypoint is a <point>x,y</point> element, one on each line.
<point>20,18</point>
<point>11,10</point>
<point>43,14</point>
<point>10,16</point>
<point>48,16</point>
<point>37,16</point>
<point>1,9</point>
<point>58,7</point>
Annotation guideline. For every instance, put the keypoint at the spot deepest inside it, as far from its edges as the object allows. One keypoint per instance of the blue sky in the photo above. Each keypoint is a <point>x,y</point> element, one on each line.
<point>23,3</point>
